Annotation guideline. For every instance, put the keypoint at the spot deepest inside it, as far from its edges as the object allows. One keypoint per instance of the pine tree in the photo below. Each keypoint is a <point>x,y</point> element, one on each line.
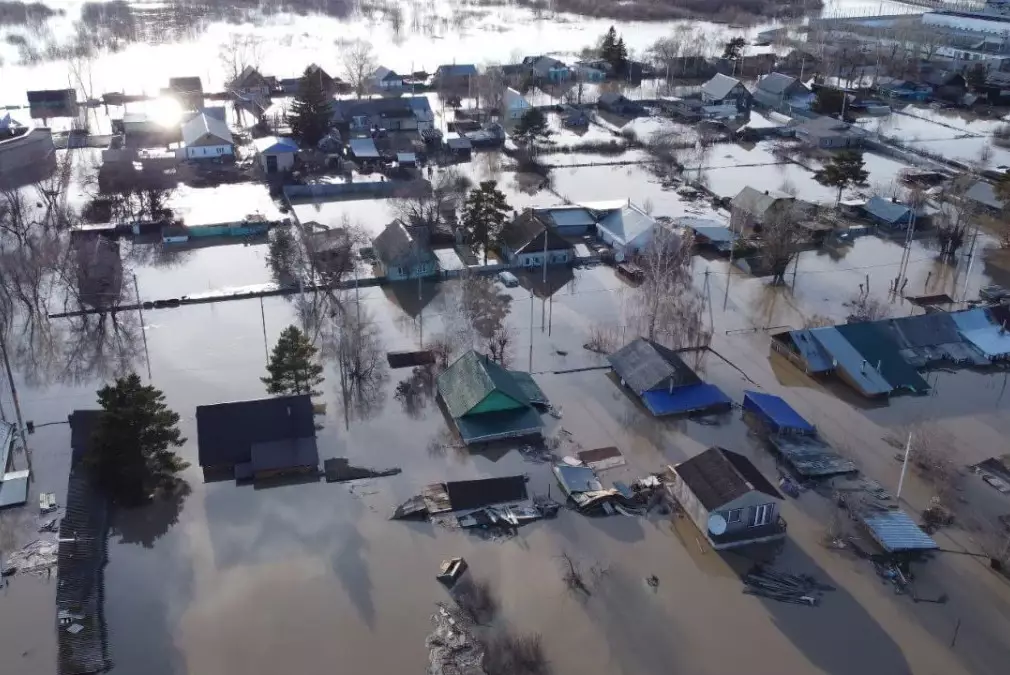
<point>620,62</point>
<point>484,215</point>
<point>292,368</point>
<point>131,453</point>
<point>310,111</point>
<point>733,50</point>
<point>845,170</point>
<point>532,127</point>
<point>608,45</point>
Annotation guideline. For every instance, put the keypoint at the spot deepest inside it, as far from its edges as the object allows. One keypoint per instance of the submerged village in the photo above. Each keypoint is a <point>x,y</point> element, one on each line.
<point>402,354</point>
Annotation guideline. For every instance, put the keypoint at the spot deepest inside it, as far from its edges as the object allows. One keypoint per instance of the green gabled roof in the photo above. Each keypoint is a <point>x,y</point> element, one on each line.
<point>471,378</point>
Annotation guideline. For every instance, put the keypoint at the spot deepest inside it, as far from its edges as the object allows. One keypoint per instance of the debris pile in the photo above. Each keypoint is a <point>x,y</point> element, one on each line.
<point>798,589</point>
<point>452,648</point>
<point>37,557</point>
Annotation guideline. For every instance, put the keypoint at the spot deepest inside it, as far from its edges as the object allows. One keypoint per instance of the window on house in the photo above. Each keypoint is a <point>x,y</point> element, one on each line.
<point>734,515</point>
<point>762,515</point>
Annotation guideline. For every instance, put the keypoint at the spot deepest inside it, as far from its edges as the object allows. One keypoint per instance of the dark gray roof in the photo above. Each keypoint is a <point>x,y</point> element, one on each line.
<point>719,476</point>
<point>226,432</point>
<point>287,453</point>
<point>456,70</point>
<point>528,227</point>
<point>396,242</point>
<point>82,427</point>
<point>645,365</point>
<point>756,202</point>
<point>719,86</point>
<point>473,494</point>
<point>776,83</point>
<point>470,379</point>
<point>886,210</point>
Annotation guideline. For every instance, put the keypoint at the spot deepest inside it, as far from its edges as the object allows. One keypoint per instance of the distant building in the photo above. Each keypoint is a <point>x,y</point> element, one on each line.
<point>404,252</point>
<point>276,155</point>
<point>529,237</point>
<point>984,195</point>
<point>188,91</point>
<point>947,85</point>
<point>727,498</point>
<point>547,69</point>
<point>402,113</point>
<point>384,79</point>
<point>627,230</point>
<point>206,137</point>
<point>515,105</point>
<point>257,439</point>
<point>250,83</point>
<point>593,71</point>
<point>457,76</point>
<point>828,133</point>
<point>776,90</point>
<point>618,104</point>
<point>723,89</point>
<point>752,207</point>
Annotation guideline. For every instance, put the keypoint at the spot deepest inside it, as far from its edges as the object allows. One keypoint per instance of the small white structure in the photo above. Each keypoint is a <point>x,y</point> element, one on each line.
<point>276,155</point>
<point>627,229</point>
<point>515,105</point>
<point>206,136</point>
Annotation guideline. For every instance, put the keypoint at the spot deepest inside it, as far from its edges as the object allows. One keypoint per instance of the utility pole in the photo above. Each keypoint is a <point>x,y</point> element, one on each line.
<point>904,467</point>
<point>531,332</point>
<point>143,328</point>
<point>263,318</point>
<point>14,395</point>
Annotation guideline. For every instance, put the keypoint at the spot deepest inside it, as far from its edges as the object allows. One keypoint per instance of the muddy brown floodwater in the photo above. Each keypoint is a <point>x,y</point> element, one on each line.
<point>315,578</point>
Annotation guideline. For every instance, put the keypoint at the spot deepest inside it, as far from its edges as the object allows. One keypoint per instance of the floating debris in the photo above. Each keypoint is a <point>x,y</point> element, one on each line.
<point>798,589</point>
<point>452,648</point>
<point>537,454</point>
<point>339,470</point>
<point>47,502</point>
<point>37,557</point>
<point>450,570</point>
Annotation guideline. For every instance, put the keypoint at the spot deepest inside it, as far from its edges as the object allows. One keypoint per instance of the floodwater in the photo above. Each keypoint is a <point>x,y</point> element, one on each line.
<point>244,580</point>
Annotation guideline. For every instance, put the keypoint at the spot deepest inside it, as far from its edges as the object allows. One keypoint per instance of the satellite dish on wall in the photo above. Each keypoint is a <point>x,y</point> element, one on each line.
<point>619,256</point>
<point>716,524</point>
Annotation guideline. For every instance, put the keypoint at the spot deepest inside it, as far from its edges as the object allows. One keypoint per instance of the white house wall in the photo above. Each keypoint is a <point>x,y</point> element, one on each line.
<point>689,503</point>
<point>208,151</point>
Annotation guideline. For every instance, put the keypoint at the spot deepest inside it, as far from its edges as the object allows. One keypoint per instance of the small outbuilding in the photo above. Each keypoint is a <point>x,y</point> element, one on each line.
<point>276,154</point>
<point>723,89</point>
<point>727,498</point>
<point>627,229</point>
<point>888,212</point>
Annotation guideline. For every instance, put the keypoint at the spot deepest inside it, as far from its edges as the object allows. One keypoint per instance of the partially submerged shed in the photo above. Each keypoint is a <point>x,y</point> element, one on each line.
<point>777,415</point>
<point>895,532</point>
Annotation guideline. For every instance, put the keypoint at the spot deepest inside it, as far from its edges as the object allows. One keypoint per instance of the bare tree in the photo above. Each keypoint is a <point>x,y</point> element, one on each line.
<point>666,306</point>
<point>571,573</point>
<point>489,89</point>
<point>238,53</point>
<point>781,237</point>
<point>358,65</point>
<point>957,212</point>
<point>420,205</point>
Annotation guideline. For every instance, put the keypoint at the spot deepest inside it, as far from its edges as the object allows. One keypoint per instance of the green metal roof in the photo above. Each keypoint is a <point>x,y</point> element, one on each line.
<point>471,378</point>
<point>877,347</point>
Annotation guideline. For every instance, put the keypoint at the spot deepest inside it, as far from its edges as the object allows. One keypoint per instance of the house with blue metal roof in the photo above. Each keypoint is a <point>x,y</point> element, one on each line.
<point>662,381</point>
<point>888,212</point>
<point>850,365</point>
<point>801,349</point>
<point>454,76</point>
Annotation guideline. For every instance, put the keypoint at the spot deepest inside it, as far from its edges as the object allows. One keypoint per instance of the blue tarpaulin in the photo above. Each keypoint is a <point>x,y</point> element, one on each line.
<point>687,399</point>
<point>775,413</point>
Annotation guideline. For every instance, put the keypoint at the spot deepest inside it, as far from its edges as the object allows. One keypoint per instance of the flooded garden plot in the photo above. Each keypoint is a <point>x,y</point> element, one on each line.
<point>621,183</point>
<point>727,182</point>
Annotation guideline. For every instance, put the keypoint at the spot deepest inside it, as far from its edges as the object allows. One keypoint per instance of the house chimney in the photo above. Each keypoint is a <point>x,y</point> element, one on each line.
<point>766,191</point>
<point>862,367</point>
